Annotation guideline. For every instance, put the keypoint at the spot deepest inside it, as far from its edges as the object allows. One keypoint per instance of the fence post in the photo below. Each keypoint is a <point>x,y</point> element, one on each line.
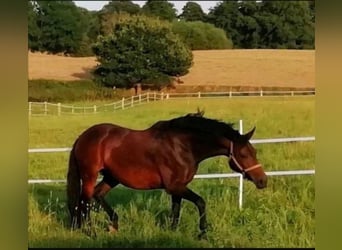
<point>132,101</point>
<point>241,176</point>
<point>240,191</point>
<point>94,108</point>
<point>230,94</point>
<point>162,95</point>
<point>155,96</point>
<point>72,109</point>
<point>261,94</point>
<point>59,108</point>
<point>199,94</point>
<point>292,93</point>
<point>123,103</point>
<point>167,96</point>
<point>45,108</point>
<point>139,98</point>
<point>30,108</point>
<point>148,97</point>
<point>240,127</point>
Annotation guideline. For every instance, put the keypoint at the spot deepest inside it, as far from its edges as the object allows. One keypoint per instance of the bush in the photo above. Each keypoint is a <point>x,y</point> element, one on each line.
<point>201,36</point>
<point>140,49</point>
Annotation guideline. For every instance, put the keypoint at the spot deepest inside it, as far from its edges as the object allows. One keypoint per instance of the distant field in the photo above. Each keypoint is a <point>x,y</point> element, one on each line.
<point>258,68</point>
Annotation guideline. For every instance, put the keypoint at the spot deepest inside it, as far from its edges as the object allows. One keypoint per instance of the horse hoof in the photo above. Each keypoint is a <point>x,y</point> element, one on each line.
<point>112,229</point>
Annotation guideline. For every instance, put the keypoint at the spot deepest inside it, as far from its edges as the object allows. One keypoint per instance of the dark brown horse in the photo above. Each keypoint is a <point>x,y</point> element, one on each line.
<point>164,156</point>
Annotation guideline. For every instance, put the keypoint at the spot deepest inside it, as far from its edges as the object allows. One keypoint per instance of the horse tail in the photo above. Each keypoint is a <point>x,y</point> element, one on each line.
<point>73,187</point>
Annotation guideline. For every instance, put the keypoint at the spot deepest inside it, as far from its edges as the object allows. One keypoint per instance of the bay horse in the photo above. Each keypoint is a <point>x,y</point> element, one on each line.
<point>163,156</point>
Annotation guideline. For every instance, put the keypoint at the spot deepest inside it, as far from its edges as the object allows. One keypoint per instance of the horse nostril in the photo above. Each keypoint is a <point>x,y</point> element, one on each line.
<point>263,182</point>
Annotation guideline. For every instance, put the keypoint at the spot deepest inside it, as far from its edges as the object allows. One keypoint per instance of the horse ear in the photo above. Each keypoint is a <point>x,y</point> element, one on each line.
<point>249,135</point>
<point>200,112</point>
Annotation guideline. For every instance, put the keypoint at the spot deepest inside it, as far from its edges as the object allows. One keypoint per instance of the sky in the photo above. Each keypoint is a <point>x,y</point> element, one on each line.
<point>97,5</point>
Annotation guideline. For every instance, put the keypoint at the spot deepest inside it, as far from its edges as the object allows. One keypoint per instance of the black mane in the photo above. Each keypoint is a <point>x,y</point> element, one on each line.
<point>197,123</point>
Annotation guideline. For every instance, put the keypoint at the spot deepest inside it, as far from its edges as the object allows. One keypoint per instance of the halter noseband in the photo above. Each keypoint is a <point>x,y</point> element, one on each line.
<point>243,171</point>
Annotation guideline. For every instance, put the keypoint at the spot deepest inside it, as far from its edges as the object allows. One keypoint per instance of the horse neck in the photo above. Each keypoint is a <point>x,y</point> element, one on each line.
<point>203,149</point>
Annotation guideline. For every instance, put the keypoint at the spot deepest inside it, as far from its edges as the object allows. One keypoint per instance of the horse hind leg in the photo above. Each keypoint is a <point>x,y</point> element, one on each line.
<point>87,192</point>
<point>101,190</point>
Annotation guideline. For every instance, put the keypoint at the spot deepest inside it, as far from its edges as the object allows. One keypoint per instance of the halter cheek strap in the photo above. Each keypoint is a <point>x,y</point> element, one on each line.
<point>243,171</point>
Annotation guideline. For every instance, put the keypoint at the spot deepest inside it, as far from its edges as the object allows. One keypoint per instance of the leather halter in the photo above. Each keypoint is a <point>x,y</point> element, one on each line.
<point>243,171</point>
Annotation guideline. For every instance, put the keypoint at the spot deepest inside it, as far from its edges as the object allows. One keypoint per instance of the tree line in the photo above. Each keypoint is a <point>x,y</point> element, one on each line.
<point>63,27</point>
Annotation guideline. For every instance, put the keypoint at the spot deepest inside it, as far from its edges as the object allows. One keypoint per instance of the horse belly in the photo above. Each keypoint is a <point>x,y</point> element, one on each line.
<point>139,177</point>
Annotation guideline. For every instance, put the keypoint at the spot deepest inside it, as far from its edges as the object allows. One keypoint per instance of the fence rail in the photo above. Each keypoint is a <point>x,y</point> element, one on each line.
<point>198,176</point>
<point>46,108</point>
<point>207,176</point>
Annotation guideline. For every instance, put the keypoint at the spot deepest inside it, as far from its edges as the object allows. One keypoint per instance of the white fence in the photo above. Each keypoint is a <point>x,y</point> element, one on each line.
<point>46,108</point>
<point>204,176</point>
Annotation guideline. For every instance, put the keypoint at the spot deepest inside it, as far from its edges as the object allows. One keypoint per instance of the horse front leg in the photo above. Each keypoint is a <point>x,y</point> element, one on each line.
<point>200,203</point>
<point>175,210</point>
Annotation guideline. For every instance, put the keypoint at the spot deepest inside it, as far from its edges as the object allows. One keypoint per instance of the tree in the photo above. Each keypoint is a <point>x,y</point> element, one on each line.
<point>140,49</point>
<point>121,6</point>
<point>62,26</point>
<point>192,12</point>
<point>286,24</point>
<point>34,32</point>
<point>109,13</point>
<point>266,24</point>
<point>162,9</point>
<point>312,11</point>
<point>248,26</point>
<point>226,16</point>
<point>201,36</point>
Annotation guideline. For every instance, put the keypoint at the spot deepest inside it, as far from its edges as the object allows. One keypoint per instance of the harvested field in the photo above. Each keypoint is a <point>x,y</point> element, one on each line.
<point>257,68</point>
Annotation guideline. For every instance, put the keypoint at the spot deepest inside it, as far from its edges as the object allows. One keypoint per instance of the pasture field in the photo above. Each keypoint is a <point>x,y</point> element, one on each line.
<point>282,215</point>
<point>254,67</point>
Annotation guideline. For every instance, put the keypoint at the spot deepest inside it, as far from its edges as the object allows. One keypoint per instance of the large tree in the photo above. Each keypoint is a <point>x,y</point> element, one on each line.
<point>201,36</point>
<point>286,24</point>
<point>226,15</point>
<point>192,12</point>
<point>121,6</point>
<point>143,50</point>
<point>266,24</point>
<point>162,9</point>
<point>34,32</point>
<point>248,25</point>
<point>109,13</point>
<point>62,26</point>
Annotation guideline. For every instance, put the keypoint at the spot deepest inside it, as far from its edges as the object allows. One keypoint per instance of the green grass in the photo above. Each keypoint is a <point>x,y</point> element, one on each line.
<point>70,91</point>
<point>282,215</point>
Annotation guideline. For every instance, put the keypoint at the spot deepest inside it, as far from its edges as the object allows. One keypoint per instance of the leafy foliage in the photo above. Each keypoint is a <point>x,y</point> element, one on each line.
<point>192,12</point>
<point>266,24</point>
<point>140,50</point>
<point>201,36</point>
<point>121,6</point>
<point>62,27</point>
<point>162,9</point>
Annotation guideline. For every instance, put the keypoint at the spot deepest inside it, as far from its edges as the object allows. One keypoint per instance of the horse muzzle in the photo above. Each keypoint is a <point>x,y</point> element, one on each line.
<point>260,183</point>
